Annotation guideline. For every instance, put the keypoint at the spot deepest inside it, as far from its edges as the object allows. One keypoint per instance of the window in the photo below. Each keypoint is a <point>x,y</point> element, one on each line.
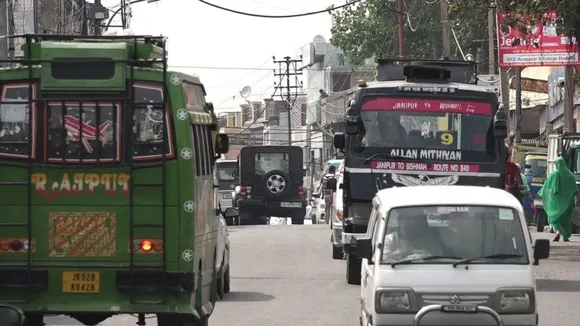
<point>456,232</point>
<point>87,131</point>
<point>68,68</point>
<point>15,128</point>
<point>204,154</point>
<point>150,129</point>
<point>265,162</point>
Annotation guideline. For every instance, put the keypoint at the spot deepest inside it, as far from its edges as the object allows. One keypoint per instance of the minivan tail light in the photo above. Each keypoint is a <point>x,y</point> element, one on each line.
<point>300,192</point>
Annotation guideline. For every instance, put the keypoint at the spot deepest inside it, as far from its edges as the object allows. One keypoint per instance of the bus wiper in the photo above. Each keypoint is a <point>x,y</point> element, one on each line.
<point>384,155</point>
<point>495,256</point>
<point>408,261</point>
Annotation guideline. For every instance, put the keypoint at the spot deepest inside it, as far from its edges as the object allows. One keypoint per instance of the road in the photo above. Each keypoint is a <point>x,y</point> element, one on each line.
<point>284,275</point>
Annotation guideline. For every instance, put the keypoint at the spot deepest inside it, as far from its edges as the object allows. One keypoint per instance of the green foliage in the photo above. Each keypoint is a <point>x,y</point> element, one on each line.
<point>370,29</point>
<point>532,11</point>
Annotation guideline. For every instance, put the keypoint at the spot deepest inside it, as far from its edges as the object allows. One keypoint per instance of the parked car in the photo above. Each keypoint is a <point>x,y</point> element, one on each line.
<point>223,259</point>
<point>433,245</point>
<point>335,215</point>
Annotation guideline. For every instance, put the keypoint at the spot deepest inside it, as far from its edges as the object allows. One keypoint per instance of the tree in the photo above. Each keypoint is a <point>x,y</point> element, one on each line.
<point>369,28</point>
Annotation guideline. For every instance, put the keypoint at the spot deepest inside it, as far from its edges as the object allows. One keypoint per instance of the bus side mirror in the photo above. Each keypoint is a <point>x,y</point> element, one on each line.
<point>222,143</point>
<point>500,123</point>
<point>339,140</point>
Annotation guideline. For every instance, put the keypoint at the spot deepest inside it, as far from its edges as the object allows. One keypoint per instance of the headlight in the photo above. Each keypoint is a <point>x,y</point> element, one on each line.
<point>322,206</point>
<point>392,301</point>
<point>537,202</point>
<point>515,301</point>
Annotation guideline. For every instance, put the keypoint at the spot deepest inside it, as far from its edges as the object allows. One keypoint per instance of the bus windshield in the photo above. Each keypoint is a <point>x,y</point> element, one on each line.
<point>425,123</point>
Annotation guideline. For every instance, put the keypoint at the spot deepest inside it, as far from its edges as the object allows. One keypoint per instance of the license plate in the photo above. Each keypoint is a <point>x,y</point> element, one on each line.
<point>227,196</point>
<point>537,202</point>
<point>288,204</point>
<point>81,282</point>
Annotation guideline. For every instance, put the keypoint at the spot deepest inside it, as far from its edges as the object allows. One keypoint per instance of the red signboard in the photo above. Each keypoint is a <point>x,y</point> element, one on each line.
<point>425,167</point>
<point>541,46</point>
<point>431,105</point>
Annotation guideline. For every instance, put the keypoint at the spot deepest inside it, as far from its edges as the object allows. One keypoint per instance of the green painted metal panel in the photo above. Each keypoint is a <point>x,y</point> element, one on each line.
<point>110,51</point>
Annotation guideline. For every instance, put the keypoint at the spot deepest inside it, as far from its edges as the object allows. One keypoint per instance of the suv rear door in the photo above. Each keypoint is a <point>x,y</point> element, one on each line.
<point>276,172</point>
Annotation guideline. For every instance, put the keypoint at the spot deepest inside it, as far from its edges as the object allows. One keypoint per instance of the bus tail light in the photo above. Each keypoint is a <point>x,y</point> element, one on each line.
<point>146,245</point>
<point>16,245</point>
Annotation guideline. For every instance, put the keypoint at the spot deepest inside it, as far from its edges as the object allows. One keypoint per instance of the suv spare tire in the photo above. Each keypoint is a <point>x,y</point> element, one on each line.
<point>276,183</point>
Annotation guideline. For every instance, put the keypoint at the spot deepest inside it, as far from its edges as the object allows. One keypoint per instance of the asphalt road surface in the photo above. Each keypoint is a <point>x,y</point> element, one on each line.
<point>284,275</point>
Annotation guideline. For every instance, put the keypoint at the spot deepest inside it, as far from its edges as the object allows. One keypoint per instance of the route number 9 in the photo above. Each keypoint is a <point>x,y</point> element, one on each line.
<point>447,138</point>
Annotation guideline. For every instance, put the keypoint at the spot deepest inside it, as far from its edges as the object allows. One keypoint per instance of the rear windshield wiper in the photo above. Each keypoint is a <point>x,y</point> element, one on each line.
<point>496,256</point>
<point>408,261</point>
<point>383,155</point>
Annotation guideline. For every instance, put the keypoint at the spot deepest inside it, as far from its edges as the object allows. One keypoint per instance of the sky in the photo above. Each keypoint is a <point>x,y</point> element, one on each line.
<point>200,36</point>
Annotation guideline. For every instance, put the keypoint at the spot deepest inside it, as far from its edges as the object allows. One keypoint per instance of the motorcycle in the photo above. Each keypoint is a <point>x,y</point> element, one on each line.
<point>11,316</point>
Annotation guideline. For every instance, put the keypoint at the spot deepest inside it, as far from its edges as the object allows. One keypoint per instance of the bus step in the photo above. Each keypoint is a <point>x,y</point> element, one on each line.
<point>13,183</point>
<point>147,166</point>
<point>13,225</point>
<point>146,225</point>
<point>147,185</point>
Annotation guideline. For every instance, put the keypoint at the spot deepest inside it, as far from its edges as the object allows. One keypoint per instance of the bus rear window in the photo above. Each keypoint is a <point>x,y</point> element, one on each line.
<point>87,131</point>
<point>15,122</point>
<point>150,126</point>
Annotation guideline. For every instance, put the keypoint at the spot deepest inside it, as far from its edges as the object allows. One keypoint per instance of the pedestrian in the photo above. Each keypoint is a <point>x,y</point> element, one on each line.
<point>513,177</point>
<point>558,194</point>
<point>526,190</point>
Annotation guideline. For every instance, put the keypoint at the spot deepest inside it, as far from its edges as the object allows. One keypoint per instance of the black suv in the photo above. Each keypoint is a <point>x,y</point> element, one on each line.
<point>271,180</point>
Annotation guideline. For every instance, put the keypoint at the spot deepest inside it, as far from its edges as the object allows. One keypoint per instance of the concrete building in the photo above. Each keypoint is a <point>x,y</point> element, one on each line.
<point>276,126</point>
<point>552,117</point>
<point>330,82</point>
<point>534,101</point>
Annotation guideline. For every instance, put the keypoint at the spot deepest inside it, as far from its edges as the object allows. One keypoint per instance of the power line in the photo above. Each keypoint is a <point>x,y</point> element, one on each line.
<point>329,9</point>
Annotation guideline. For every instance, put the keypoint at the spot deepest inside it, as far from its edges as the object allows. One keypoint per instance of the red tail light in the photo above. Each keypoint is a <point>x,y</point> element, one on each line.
<point>146,245</point>
<point>245,191</point>
<point>301,192</point>
<point>16,245</point>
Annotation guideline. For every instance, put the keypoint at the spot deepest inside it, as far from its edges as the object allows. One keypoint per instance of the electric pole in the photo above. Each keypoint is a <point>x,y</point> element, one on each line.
<point>11,31</point>
<point>401,16</point>
<point>518,112</point>
<point>569,84</point>
<point>445,28</point>
<point>490,39</point>
<point>98,21</point>
<point>288,69</point>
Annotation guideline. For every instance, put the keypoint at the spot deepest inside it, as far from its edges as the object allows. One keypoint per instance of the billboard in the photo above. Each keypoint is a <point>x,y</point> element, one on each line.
<point>540,46</point>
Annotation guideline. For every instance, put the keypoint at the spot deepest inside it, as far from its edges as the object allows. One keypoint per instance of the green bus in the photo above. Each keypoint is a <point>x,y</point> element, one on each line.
<point>107,193</point>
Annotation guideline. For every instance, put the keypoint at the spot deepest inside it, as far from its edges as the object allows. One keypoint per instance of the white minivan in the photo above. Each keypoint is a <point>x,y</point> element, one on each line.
<point>448,255</point>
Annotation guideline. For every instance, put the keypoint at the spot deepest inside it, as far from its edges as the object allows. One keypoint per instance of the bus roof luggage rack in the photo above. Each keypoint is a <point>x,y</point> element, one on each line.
<point>464,72</point>
<point>147,39</point>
